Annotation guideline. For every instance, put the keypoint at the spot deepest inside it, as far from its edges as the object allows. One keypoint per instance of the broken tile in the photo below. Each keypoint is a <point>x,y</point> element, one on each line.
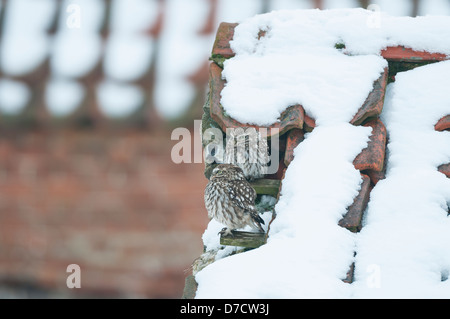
<point>375,176</point>
<point>308,123</point>
<point>221,48</point>
<point>350,274</point>
<point>400,53</point>
<point>445,169</point>
<point>372,157</point>
<point>443,124</point>
<point>279,174</point>
<point>352,220</point>
<point>373,105</point>
<point>294,137</point>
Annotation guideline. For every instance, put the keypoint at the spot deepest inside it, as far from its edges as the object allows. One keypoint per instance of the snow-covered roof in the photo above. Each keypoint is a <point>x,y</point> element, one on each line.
<point>328,62</point>
<point>113,57</point>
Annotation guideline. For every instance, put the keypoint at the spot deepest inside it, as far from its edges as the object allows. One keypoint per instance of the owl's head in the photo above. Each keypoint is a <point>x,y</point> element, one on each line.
<point>227,172</point>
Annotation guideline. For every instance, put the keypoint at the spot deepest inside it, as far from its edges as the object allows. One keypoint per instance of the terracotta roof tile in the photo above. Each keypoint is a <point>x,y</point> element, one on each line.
<point>373,105</point>
<point>294,137</point>
<point>402,54</point>
<point>372,157</point>
<point>445,169</point>
<point>352,220</point>
<point>293,117</point>
<point>443,124</point>
<point>376,176</point>
<point>224,35</point>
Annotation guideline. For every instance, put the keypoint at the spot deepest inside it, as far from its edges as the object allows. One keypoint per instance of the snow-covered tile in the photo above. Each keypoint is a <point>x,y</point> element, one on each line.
<point>14,96</point>
<point>407,230</point>
<point>75,53</point>
<point>117,100</point>
<point>405,235</point>
<point>23,53</point>
<point>132,16</point>
<point>63,96</point>
<point>25,44</point>
<point>127,56</point>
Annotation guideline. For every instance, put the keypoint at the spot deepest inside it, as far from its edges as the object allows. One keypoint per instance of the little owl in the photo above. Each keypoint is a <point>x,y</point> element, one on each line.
<point>230,199</point>
<point>247,149</point>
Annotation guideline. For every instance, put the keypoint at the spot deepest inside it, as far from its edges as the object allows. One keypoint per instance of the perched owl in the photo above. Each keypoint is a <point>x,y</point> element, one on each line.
<point>230,199</point>
<point>247,149</point>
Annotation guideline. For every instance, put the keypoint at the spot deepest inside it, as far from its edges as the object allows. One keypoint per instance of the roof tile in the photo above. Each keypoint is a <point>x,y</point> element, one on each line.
<point>352,220</point>
<point>443,124</point>
<point>402,54</point>
<point>373,105</point>
<point>372,157</point>
<point>292,117</point>
<point>445,169</point>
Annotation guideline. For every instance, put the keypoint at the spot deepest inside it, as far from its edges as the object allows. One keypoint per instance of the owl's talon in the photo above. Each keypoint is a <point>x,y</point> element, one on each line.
<point>225,231</point>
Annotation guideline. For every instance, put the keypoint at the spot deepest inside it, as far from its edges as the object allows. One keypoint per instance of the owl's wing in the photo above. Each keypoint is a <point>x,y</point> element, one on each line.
<point>242,195</point>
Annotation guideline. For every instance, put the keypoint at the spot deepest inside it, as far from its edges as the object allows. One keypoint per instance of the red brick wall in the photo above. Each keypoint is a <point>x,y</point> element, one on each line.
<point>112,202</point>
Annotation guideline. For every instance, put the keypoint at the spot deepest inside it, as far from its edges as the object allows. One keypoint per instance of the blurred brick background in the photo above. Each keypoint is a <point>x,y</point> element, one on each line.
<point>86,116</point>
<point>111,202</point>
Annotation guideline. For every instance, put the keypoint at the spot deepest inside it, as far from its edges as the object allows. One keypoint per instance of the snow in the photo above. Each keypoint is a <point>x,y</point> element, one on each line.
<point>330,4</point>
<point>172,96</point>
<point>227,9</point>
<point>75,53</point>
<point>409,208</point>
<point>14,96</point>
<point>327,83</point>
<point>396,8</point>
<point>91,14</point>
<point>127,56</point>
<point>306,242</point>
<point>132,16</point>
<point>434,7</point>
<point>77,49</point>
<point>402,250</point>
<point>29,15</point>
<point>301,43</point>
<point>63,96</point>
<point>404,7</point>
<point>118,100</point>
<point>182,51</point>
<point>212,242</point>
<point>129,51</point>
<point>291,4</point>
<point>25,44</point>
<point>22,53</point>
